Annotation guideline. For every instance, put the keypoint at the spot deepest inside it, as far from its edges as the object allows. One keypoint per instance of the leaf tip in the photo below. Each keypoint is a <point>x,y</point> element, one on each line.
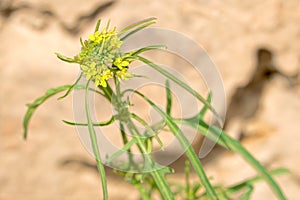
<point>25,134</point>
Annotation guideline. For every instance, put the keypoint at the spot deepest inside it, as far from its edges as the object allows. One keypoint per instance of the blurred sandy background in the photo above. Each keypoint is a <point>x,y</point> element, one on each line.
<point>231,31</point>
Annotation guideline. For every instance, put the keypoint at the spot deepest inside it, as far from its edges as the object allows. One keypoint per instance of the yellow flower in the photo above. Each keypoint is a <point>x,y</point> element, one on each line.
<point>102,79</point>
<point>108,34</point>
<point>96,37</point>
<point>120,63</point>
<point>123,74</point>
<point>107,74</point>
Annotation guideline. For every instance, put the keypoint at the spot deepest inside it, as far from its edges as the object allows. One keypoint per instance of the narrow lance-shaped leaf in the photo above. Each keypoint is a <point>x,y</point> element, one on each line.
<point>104,123</point>
<point>107,25</point>
<point>33,106</point>
<point>80,87</point>
<point>169,97</point>
<point>49,93</point>
<point>72,87</point>
<point>182,84</point>
<point>247,194</point>
<point>65,58</point>
<point>97,26</point>
<point>124,30</point>
<point>204,109</point>
<point>235,146</point>
<point>125,148</point>
<point>137,29</point>
<point>251,181</point>
<point>148,48</point>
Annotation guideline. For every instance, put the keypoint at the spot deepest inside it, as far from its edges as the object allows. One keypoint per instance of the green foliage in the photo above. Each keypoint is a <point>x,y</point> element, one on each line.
<point>33,106</point>
<point>101,59</point>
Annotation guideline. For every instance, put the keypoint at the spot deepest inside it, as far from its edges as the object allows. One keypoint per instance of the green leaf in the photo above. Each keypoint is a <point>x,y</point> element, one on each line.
<point>148,48</point>
<point>204,109</point>
<point>104,123</point>
<point>79,87</point>
<point>134,25</point>
<point>183,85</point>
<point>65,58</point>
<point>81,42</point>
<point>165,170</point>
<point>247,194</point>
<point>125,148</point>
<point>97,26</point>
<point>143,191</point>
<point>235,146</point>
<point>72,87</point>
<point>169,98</point>
<point>238,148</point>
<point>33,106</point>
<point>190,153</point>
<point>95,145</point>
<point>107,25</point>
<point>145,25</point>
<point>253,180</point>
<point>196,188</point>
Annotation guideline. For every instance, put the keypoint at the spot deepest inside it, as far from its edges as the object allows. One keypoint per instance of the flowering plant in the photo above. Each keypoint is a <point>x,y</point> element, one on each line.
<point>103,63</point>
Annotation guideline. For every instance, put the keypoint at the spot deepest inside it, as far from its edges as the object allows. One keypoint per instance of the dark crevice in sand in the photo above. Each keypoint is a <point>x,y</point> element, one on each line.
<point>8,10</point>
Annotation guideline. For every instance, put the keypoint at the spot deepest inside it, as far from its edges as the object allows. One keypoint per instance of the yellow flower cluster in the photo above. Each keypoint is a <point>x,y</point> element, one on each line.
<point>101,59</point>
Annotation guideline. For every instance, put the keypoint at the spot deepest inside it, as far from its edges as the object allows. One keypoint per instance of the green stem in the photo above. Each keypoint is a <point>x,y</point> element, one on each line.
<point>125,141</point>
<point>95,147</point>
<point>187,179</point>
<point>142,191</point>
<point>158,177</point>
<point>149,129</point>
